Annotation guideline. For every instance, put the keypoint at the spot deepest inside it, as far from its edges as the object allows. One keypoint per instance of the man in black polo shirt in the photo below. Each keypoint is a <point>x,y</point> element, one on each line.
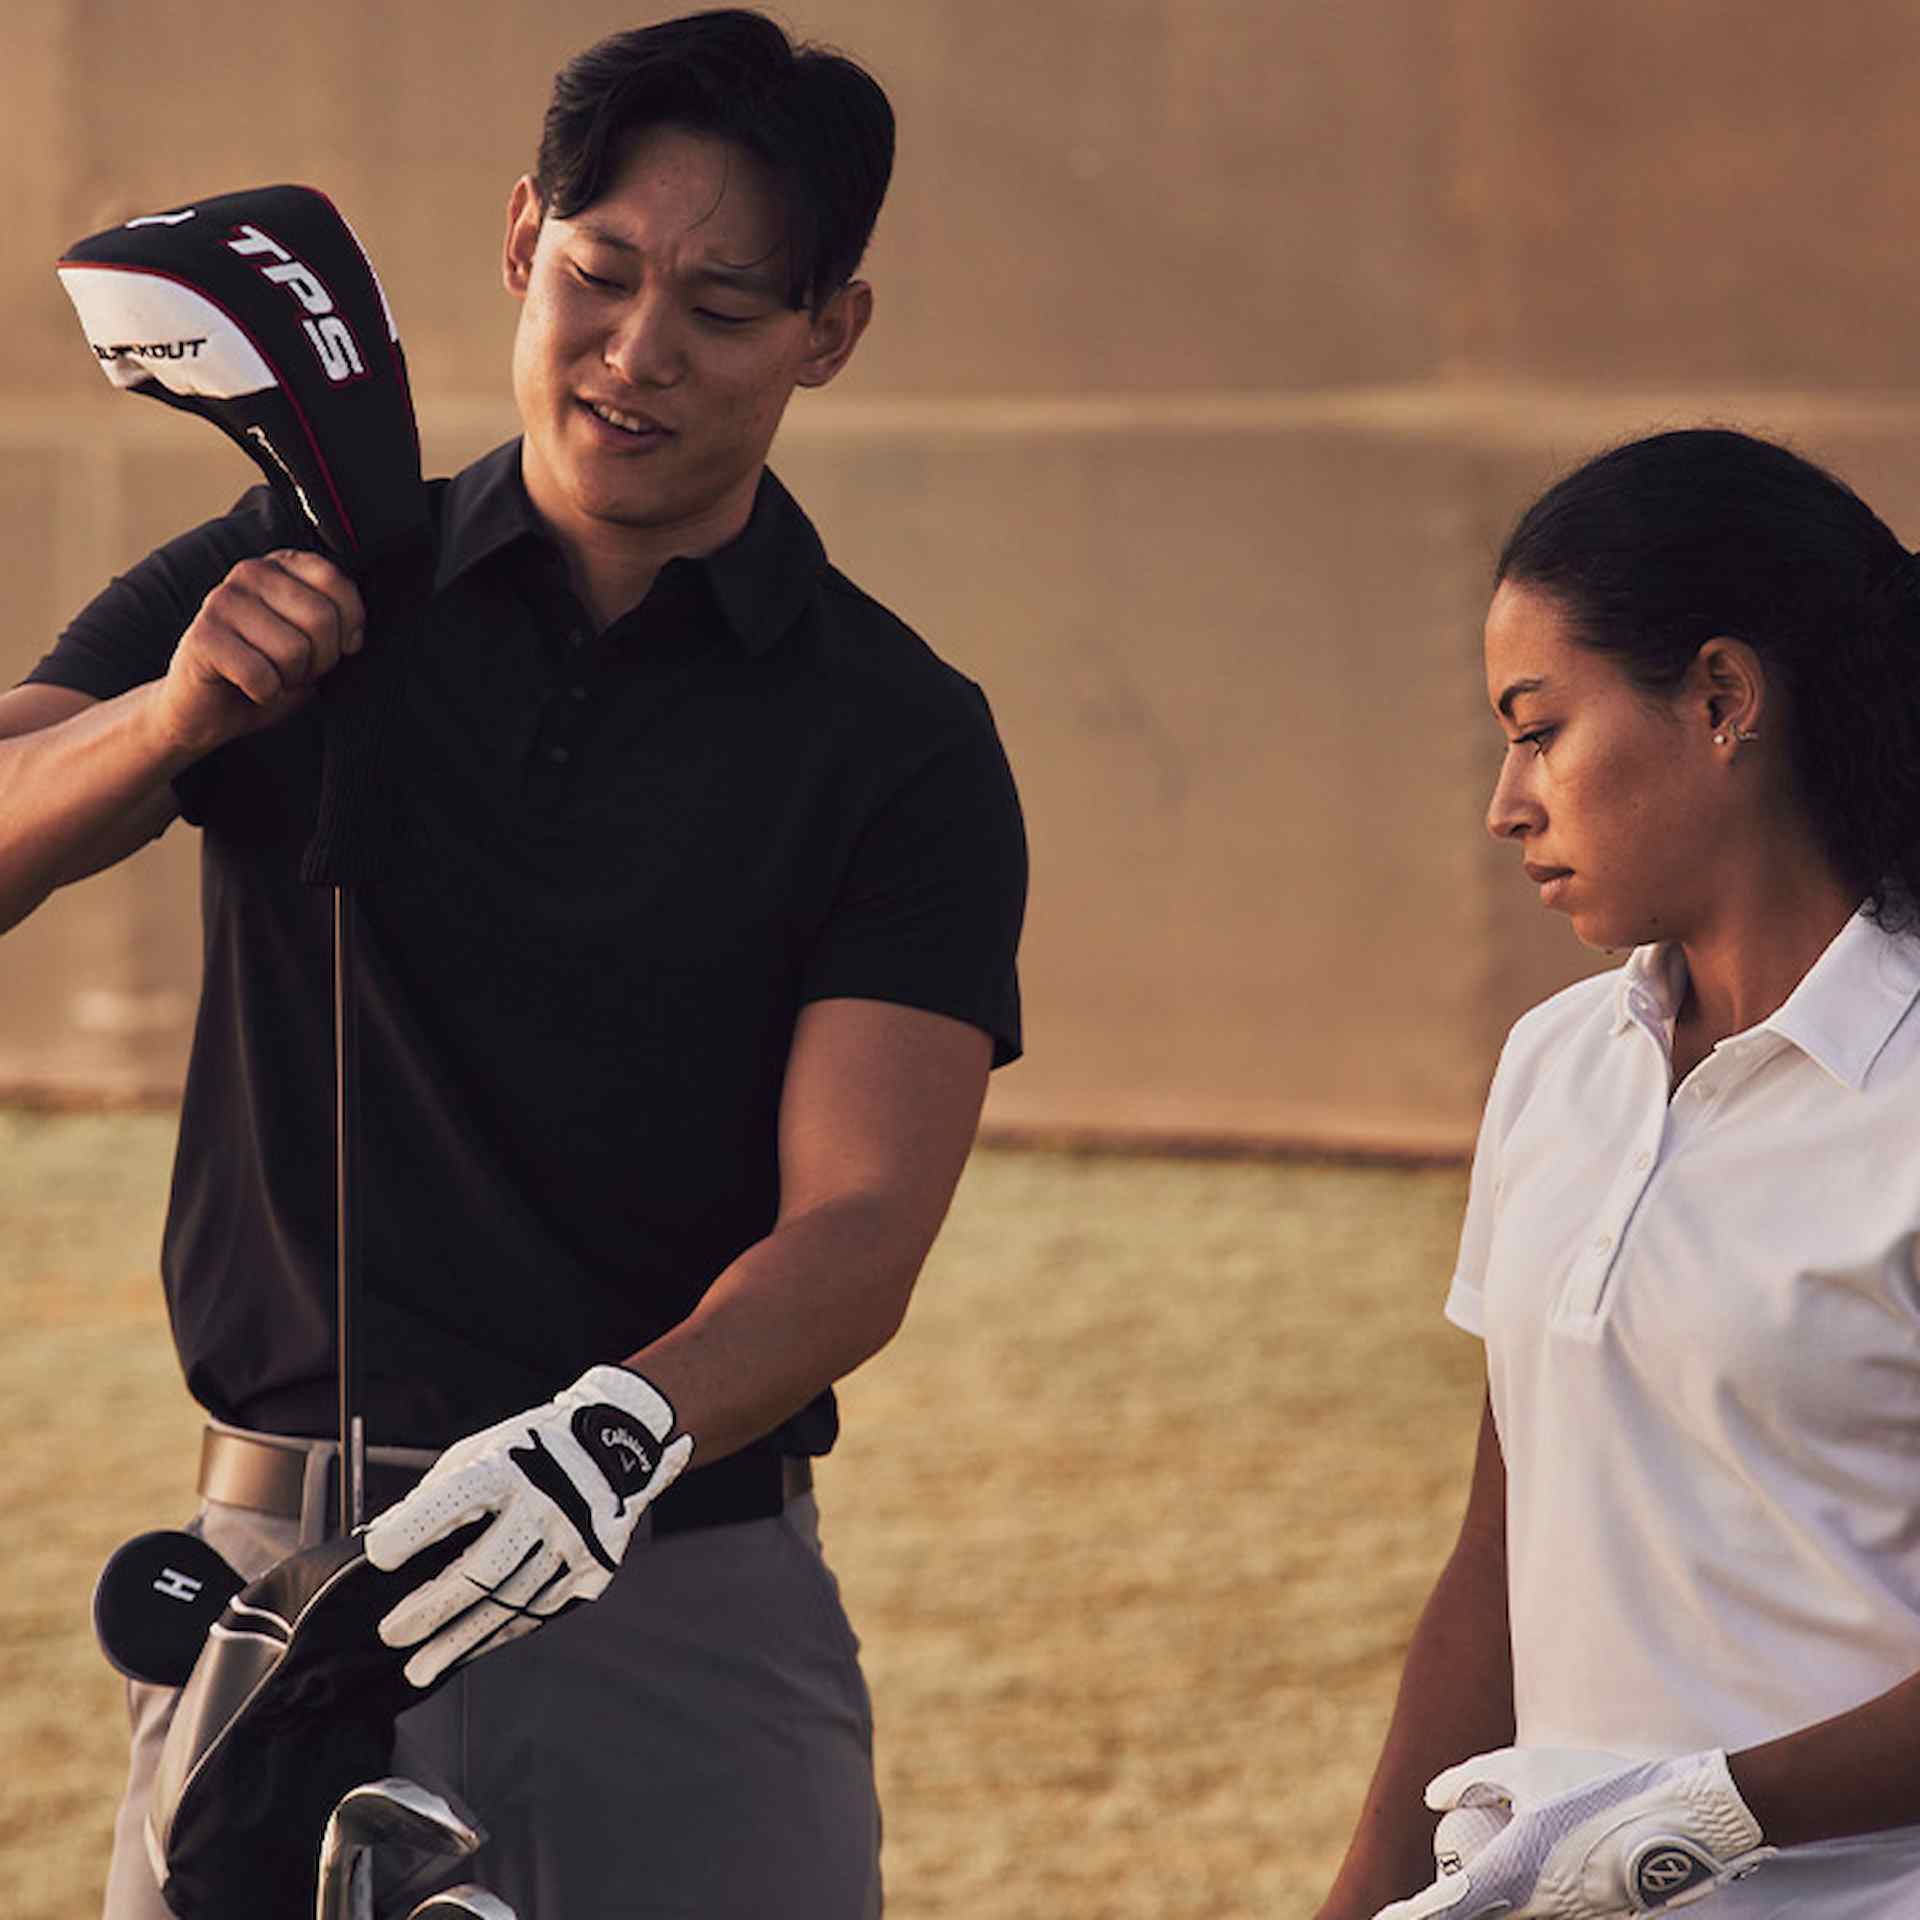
<point>676,1007</point>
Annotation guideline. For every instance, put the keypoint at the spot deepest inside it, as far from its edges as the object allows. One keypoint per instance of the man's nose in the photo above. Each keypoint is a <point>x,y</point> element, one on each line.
<point>644,347</point>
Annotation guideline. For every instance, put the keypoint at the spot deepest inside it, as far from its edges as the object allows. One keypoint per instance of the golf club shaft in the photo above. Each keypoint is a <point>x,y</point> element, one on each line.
<point>346,1220</point>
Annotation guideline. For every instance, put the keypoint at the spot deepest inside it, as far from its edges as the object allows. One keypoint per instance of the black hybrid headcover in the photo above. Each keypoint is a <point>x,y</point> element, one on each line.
<point>291,1704</point>
<point>261,311</point>
<point>155,1601</point>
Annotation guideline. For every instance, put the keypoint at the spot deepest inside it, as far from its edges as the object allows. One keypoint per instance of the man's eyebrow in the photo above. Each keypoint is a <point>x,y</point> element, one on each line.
<point>1513,693</point>
<point>607,237</point>
<point>751,279</point>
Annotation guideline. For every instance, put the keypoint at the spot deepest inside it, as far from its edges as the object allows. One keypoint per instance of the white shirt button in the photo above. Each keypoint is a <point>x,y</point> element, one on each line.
<point>1602,1242</point>
<point>1642,1161</point>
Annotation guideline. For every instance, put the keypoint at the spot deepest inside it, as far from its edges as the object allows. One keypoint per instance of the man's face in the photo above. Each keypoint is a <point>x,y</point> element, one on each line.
<point>655,352</point>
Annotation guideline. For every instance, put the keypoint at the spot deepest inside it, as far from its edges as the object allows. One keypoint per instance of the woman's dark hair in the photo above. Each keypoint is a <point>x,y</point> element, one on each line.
<point>819,124</point>
<point>1661,545</point>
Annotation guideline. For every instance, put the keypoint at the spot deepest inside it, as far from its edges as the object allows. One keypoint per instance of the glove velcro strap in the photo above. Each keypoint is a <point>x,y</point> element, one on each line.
<point>622,1423</point>
<point>634,1393</point>
<point>1724,1821</point>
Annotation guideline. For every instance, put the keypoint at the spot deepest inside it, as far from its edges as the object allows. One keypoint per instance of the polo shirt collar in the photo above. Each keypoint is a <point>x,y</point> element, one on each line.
<point>1843,1012</point>
<point>1648,989</point>
<point>760,580</point>
<point>763,578</point>
<point>486,509</point>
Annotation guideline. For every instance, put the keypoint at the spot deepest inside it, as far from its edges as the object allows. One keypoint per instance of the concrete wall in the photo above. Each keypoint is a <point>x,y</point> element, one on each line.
<point>1219,340</point>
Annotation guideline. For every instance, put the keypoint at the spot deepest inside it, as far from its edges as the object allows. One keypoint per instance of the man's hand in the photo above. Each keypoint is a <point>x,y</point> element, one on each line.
<point>1591,1837</point>
<point>564,1486</point>
<point>263,639</point>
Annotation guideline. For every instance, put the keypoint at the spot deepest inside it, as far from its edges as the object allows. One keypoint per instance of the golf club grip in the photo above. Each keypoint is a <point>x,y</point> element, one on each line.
<point>358,815</point>
<point>352,829</point>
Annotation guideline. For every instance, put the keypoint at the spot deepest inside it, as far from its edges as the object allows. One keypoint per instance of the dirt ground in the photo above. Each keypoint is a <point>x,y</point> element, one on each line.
<point>1133,1518</point>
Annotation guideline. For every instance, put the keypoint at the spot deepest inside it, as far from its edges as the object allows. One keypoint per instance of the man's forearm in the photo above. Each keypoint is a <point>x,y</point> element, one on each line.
<point>79,794</point>
<point>824,1291</point>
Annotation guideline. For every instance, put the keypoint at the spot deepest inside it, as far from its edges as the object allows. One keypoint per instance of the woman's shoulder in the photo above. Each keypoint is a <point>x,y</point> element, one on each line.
<point>1564,1034</point>
<point>1571,1010</point>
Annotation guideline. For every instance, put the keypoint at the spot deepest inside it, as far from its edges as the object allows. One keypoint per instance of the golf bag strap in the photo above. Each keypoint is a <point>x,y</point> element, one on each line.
<point>271,1473</point>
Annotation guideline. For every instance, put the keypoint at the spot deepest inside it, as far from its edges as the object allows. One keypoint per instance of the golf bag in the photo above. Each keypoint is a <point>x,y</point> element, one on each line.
<point>289,1707</point>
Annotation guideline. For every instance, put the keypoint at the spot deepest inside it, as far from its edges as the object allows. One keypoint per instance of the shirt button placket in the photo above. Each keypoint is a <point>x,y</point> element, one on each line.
<point>1595,1271</point>
<point>556,743</point>
<point>1602,1251</point>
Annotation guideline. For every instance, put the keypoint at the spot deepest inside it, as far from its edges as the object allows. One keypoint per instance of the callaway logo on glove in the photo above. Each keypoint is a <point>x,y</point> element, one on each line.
<point>564,1485</point>
<point>1552,1834</point>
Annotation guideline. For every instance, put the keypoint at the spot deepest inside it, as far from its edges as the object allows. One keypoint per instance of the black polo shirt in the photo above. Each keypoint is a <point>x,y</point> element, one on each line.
<point>627,861</point>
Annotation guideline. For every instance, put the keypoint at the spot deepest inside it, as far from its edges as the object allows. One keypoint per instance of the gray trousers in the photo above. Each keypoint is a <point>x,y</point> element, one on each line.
<point>697,1742</point>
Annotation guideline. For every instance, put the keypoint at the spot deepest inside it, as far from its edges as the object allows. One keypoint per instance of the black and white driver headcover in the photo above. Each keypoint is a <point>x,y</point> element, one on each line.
<point>261,312</point>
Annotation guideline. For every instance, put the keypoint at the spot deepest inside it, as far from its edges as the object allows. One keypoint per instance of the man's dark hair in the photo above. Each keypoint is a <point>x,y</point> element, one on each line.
<point>820,125</point>
<point>1661,545</point>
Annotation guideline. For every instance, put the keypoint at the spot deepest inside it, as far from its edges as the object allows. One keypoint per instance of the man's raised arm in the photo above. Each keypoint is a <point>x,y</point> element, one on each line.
<point>85,782</point>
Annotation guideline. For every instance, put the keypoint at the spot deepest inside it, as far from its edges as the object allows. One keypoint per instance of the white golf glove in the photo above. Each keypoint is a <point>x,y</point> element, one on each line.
<point>1590,1836</point>
<point>565,1485</point>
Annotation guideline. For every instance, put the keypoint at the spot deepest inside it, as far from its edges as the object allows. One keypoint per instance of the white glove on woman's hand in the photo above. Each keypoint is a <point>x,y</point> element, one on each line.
<point>565,1485</point>
<point>1590,1837</point>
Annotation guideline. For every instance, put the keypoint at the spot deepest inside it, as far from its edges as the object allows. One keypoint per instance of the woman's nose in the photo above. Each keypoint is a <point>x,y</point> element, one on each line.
<point>1511,810</point>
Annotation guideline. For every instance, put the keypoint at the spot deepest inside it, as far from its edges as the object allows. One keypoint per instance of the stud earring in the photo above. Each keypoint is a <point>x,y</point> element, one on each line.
<point>1741,733</point>
<point>1719,739</point>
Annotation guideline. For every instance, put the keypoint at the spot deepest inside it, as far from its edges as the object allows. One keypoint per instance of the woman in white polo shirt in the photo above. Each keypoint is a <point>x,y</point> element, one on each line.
<point>1674,1653</point>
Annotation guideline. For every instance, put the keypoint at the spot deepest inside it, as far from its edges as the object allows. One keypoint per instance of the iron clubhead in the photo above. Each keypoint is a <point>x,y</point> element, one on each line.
<point>475,1903</point>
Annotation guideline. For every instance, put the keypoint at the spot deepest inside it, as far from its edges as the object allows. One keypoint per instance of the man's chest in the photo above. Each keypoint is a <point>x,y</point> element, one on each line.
<point>596,782</point>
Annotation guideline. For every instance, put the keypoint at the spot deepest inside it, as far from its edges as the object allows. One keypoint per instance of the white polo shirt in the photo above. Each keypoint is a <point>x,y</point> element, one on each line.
<point>1702,1321</point>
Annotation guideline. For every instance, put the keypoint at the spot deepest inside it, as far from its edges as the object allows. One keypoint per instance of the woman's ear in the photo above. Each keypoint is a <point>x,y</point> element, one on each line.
<point>1728,682</point>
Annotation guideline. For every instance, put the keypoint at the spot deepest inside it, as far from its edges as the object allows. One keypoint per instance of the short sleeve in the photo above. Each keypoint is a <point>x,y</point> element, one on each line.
<point>929,911</point>
<point>125,636</point>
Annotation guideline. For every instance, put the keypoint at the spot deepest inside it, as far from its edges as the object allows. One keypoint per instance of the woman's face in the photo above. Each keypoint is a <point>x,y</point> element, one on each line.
<point>1606,792</point>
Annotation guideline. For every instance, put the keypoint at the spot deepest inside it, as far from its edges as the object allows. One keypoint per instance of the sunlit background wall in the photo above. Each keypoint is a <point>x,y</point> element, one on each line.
<point>1217,343</point>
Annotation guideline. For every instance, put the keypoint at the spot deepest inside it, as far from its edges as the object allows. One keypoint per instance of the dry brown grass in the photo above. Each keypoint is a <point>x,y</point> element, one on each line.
<point>1134,1517</point>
